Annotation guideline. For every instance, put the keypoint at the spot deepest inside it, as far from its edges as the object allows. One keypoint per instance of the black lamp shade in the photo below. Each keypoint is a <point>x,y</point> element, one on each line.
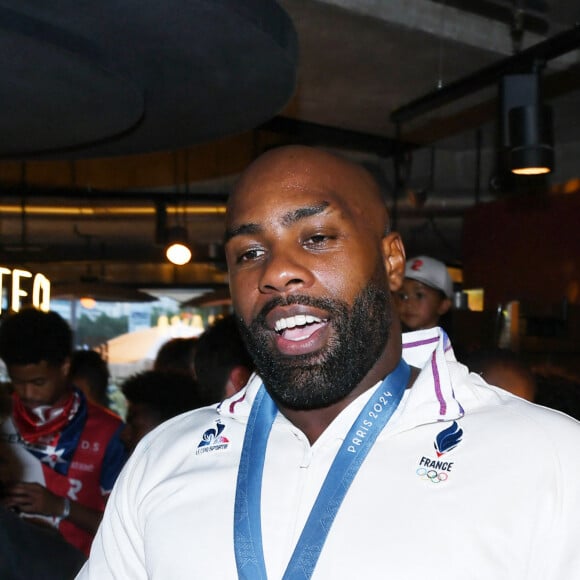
<point>177,234</point>
<point>531,138</point>
<point>526,125</point>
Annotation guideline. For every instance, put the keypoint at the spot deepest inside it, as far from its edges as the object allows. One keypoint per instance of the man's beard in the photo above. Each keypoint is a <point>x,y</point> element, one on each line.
<point>324,377</point>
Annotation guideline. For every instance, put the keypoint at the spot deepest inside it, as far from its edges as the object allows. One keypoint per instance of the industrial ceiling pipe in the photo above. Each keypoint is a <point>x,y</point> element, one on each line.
<point>525,60</point>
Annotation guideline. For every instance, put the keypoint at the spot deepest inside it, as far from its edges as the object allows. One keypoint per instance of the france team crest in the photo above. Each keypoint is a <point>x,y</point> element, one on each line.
<point>439,470</point>
<point>448,439</point>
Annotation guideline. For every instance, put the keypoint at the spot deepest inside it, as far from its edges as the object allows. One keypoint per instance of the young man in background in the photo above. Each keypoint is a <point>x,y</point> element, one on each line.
<point>65,452</point>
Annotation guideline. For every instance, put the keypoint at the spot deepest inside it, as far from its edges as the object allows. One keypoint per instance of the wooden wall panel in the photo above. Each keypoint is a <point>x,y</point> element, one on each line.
<point>525,249</point>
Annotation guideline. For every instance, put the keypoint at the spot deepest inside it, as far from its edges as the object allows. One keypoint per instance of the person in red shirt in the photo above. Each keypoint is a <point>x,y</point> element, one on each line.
<point>65,452</point>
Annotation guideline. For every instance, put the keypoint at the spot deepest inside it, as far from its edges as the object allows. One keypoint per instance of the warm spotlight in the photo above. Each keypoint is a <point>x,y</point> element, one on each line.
<point>178,251</point>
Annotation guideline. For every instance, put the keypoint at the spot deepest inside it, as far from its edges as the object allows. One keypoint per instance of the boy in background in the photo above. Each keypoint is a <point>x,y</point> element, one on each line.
<point>425,295</point>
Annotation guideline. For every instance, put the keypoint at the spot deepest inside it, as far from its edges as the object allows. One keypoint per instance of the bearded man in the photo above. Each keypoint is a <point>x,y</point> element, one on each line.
<point>355,451</point>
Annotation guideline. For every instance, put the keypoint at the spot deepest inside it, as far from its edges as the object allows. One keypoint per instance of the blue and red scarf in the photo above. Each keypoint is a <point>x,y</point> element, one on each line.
<point>53,441</point>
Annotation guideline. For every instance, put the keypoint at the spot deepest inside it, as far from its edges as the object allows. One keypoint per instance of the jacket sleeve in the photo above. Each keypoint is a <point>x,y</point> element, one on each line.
<point>113,461</point>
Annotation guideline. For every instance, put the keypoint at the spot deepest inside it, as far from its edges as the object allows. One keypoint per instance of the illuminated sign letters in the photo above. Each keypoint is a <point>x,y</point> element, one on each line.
<point>22,286</point>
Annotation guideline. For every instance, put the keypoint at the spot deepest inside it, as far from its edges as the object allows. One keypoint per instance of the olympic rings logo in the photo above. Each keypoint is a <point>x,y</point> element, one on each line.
<point>432,475</point>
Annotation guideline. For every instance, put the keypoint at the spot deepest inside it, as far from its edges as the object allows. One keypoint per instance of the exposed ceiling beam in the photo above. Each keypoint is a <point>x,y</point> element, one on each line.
<point>90,195</point>
<point>449,21</point>
<point>523,61</point>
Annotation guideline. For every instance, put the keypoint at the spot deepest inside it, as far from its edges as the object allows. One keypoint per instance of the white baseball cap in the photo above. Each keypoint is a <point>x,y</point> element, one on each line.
<point>431,272</point>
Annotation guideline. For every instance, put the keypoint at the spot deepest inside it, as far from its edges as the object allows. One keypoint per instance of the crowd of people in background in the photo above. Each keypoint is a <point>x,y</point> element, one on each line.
<point>62,447</point>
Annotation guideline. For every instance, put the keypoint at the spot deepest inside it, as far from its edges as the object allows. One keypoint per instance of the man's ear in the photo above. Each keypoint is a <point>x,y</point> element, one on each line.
<point>394,257</point>
<point>65,367</point>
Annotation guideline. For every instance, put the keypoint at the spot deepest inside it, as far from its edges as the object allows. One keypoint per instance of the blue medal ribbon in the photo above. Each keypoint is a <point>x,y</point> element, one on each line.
<point>247,513</point>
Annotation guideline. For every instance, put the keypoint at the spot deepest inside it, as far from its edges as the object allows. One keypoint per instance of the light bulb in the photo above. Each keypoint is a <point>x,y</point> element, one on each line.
<point>531,170</point>
<point>88,302</point>
<point>178,254</point>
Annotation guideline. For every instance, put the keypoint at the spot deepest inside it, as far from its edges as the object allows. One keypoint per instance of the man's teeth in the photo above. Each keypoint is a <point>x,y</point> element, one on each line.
<point>298,320</point>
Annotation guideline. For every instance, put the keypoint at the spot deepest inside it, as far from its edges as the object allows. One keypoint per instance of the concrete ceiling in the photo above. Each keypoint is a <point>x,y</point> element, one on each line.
<point>359,60</point>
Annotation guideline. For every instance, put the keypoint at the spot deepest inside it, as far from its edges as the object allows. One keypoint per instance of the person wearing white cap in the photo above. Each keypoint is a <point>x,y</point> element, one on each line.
<point>425,295</point>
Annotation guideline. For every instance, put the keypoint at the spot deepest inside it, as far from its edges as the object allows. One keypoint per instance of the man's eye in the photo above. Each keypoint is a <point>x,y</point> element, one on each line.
<point>249,255</point>
<point>317,240</point>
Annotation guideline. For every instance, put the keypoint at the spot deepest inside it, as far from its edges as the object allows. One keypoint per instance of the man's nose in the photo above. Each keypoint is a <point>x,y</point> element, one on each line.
<point>284,272</point>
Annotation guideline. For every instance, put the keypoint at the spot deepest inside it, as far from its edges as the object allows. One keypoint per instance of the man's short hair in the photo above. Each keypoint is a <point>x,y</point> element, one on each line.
<point>91,366</point>
<point>219,350</point>
<point>177,355</point>
<point>31,336</point>
<point>165,394</point>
